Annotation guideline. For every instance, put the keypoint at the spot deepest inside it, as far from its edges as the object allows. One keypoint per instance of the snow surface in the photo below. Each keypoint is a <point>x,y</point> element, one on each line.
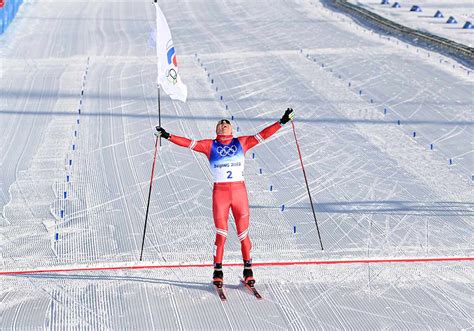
<point>461,10</point>
<point>378,191</point>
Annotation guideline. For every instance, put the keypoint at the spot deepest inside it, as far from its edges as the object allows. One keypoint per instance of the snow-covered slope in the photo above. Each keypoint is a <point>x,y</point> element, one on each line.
<point>379,191</point>
<point>461,10</point>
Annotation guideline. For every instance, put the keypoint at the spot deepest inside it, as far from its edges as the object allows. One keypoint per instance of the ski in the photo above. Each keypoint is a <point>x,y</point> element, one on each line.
<point>220,292</point>
<point>252,289</point>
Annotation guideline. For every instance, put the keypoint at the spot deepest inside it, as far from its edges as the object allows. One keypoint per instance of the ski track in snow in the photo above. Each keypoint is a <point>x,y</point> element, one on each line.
<point>378,191</point>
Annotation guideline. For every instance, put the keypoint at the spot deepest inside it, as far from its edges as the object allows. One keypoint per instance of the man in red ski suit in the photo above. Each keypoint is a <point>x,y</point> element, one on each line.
<point>226,156</point>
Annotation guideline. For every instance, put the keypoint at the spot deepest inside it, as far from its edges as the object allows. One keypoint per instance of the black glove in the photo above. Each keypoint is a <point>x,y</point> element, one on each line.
<point>161,132</point>
<point>287,116</point>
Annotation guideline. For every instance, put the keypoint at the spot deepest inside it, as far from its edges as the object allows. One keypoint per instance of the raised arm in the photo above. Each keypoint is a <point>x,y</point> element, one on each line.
<point>249,142</point>
<point>200,146</point>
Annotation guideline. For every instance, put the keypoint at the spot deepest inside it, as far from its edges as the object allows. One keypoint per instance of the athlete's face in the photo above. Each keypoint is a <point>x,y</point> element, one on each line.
<point>224,127</point>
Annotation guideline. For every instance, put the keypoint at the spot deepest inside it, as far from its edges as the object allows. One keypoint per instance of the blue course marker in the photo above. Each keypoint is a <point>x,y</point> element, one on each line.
<point>468,25</point>
<point>451,20</point>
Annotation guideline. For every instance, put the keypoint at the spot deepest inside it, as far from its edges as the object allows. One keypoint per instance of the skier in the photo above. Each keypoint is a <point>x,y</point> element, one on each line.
<point>226,157</point>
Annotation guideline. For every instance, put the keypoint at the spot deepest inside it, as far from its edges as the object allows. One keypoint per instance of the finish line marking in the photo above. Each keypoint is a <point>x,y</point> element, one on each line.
<point>258,264</point>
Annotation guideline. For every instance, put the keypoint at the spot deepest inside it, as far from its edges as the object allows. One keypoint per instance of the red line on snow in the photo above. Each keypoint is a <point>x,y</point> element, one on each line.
<point>258,264</point>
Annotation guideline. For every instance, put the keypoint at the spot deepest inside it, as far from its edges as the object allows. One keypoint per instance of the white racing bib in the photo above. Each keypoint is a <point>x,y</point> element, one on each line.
<point>227,161</point>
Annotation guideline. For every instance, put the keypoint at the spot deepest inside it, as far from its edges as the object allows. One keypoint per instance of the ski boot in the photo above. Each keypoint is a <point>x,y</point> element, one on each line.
<point>248,273</point>
<point>218,275</point>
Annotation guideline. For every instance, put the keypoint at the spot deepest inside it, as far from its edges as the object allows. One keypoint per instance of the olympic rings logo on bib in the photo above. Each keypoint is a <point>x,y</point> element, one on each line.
<point>227,150</point>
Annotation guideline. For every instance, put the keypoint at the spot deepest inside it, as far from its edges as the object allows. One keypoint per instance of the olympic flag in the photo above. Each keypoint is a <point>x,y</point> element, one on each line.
<point>168,74</point>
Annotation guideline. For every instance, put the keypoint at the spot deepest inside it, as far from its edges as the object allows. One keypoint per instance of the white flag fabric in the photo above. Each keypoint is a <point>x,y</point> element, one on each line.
<point>168,74</point>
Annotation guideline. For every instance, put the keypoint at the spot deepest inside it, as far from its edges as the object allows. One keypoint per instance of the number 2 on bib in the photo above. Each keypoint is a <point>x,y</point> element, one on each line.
<point>229,174</point>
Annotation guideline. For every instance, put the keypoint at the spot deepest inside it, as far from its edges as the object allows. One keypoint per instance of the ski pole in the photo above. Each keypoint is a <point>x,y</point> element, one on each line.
<point>307,186</point>
<point>149,195</point>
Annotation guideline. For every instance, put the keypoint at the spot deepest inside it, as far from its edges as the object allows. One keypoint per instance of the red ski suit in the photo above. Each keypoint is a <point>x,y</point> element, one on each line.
<point>229,187</point>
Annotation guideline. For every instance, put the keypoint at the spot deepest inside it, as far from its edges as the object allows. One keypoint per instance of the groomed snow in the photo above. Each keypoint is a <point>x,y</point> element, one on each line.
<point>379,190</point>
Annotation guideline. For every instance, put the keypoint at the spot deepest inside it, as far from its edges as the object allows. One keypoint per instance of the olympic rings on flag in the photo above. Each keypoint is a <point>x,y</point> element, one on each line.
<point>172,76</point>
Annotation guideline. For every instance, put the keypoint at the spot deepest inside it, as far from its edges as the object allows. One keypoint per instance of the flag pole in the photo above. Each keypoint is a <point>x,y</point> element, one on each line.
<point>307,186</point>
<point>158,84</point>
<point>159,108</point>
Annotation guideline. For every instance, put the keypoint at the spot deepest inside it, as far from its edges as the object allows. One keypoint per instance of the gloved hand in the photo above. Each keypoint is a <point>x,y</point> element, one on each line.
<point>161,132</point>
<point>287,116</point>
